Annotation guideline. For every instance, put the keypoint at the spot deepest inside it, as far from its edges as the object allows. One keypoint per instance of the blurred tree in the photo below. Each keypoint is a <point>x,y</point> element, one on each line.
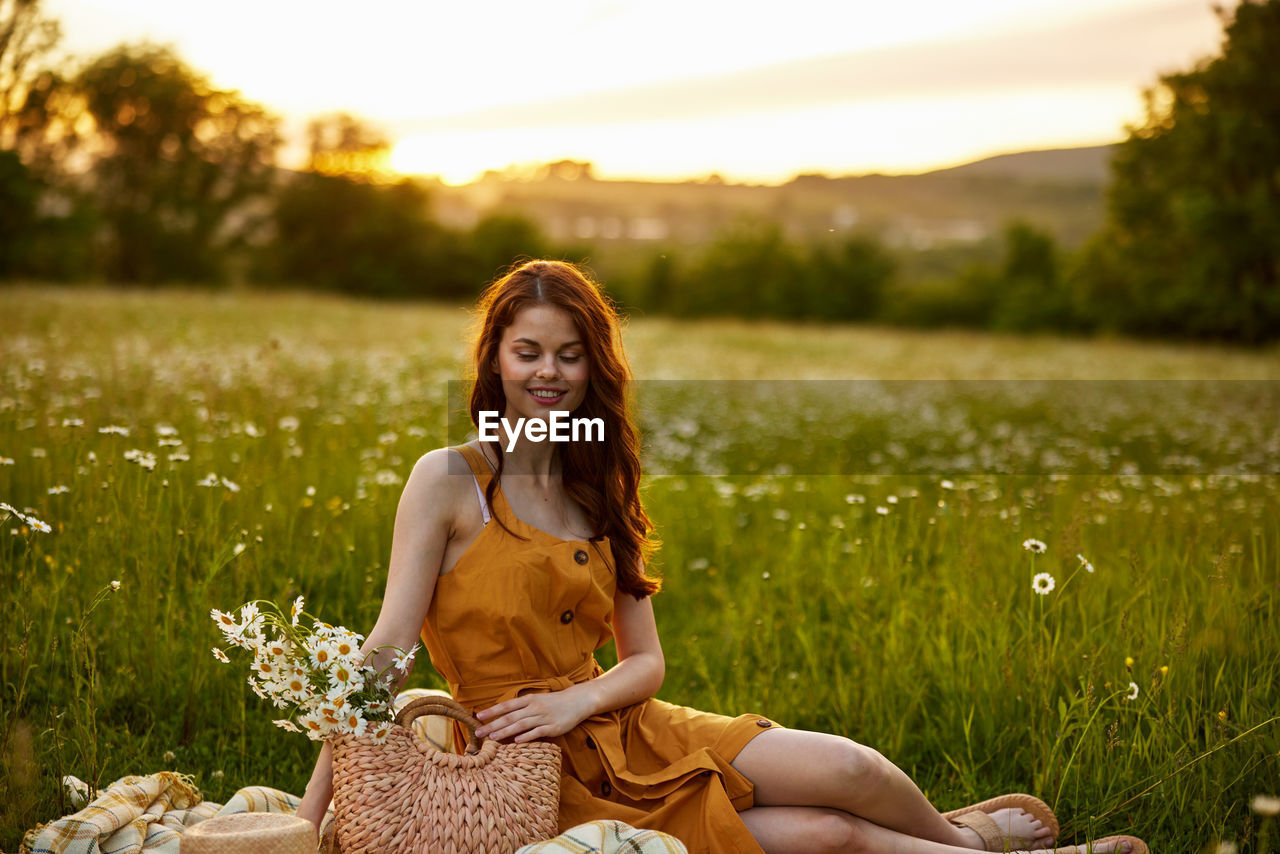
<point>1192,245</point>
<point>498,239</point>
<point>26,37</point>
<point>848,280</point>
<point>750,269</point>
<point>184,171</point>
<point>341,144</point>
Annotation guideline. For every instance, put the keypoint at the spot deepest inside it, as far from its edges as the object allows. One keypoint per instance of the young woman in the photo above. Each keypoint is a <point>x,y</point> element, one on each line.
<point>515,560</point>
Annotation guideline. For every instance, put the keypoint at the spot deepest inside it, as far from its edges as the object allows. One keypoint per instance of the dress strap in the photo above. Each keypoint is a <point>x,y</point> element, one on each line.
<point>479,468</point>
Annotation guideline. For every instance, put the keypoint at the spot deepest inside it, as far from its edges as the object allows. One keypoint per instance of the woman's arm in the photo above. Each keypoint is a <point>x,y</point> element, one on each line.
<point>424,522</point>
<point>637,676</point>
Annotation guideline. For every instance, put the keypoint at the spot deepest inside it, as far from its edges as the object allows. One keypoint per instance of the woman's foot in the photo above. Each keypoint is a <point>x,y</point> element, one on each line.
<point>1017,826</point>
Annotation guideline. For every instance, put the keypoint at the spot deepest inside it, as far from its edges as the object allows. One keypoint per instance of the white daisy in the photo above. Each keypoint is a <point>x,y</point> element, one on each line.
<point>345,646</point>
<point>221,656</point>
<point>296,611</point>
<point>342,675</point>
<point>1133,691</point>
<point>353,722</point>
<point>290,726</point>
<point>1043,583</point>
<point>1265,805</point>
<point>403,659</point>
<point>1088,566</point>
<point>238,550</point>
<point>115,585</point>
<point>58,490</point>
<point>322,653</point>
<point>1034,546</point>
<point>882,510</point>
<point>378,731</point>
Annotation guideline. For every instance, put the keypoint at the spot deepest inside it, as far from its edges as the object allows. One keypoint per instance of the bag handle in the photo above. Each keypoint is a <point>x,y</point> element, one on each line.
<point>449,708</point>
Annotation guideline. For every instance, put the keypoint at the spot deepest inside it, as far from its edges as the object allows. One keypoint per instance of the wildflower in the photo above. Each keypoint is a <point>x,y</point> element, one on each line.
<point>1034,546</point>
<point>403,659</point>
<point>342,676</point>
<point>225,621</point>
<point>210,480</point>
<point>288,726</point>
<point>143,458</point>
<point>1265,805</point>
<point>296,611</point>
<point>234,487</point>
<point>235,552</point>
<point>115,585</point>
<point>378,731</point>
<point>221,656</point>
<point>855,498</point>
<point>1222,715</point>
<point>217,775</point>
<point>179,457</point>
<point>344,646</point>
<point>113,428</point>
<point>322,653</point>
<point>1128,662</point>
<point>892,499</point>
<point>294,687</point>
<point>1133,691</point>
<point>946,484</point>
<point>6,461</point>
<point>1226,848</point>
<point>882,510</point>
<point>169,756</point>
<point>1164,670</point>
<point>1043,583</point>
<point>288,424</point>
<point>1088,566</point>
<point>353,722</point>
<point>72,422</point>
<point>58,490</point>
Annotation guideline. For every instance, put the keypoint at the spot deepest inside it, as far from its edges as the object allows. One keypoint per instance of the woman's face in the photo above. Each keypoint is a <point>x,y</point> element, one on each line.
<point>542,360</point>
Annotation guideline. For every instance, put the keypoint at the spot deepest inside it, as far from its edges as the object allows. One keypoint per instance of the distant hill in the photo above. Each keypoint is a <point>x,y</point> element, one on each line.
<point>1061,191</point>
<point>1058,164</point>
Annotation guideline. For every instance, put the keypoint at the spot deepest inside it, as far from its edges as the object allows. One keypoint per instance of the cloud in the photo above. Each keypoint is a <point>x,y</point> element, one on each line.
<point>1121,49</point>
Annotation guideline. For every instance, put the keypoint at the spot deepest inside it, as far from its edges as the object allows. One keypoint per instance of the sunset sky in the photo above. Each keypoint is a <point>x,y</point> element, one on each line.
<point>681,88</point>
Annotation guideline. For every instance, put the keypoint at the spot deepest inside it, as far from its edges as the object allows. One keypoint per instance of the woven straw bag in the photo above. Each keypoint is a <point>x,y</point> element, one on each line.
<point>406,797</point>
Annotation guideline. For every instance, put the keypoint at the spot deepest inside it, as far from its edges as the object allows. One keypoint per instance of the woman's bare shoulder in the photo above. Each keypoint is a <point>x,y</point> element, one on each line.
<point>439,480</point>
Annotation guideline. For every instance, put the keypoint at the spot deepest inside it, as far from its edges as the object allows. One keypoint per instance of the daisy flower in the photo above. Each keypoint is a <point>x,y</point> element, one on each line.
<point>403,659</point>
<point>1133,691</point>
<point>1262,805</point>
<point>225,621</point>
<point>1088,566</point>
<point>221,656</point>
<point>289,726</point>
<point>353,722</point>
<point>296,611</point>
<point>322,653</point>
<point>314,725</point>
<point>345,646</point>
<point>1034,546</point>
<point>343,676</point>
<point>378,731</point>
<point>1043,583</point>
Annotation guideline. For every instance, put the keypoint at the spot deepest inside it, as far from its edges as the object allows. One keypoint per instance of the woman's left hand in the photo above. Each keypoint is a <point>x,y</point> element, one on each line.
<point>531,716</point>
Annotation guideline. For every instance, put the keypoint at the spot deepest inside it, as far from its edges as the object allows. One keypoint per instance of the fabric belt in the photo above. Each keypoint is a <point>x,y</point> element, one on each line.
<point>482,695</point>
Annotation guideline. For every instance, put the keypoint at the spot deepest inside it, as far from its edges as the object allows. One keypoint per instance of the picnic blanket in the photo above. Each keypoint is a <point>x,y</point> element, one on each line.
<point>146,814</point>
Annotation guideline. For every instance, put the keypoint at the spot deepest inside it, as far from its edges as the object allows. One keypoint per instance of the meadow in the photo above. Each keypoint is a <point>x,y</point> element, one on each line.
<point>843,513</point>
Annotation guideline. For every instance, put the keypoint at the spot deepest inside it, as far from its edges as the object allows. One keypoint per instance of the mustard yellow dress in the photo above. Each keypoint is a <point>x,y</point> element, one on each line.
<point>515,617</point>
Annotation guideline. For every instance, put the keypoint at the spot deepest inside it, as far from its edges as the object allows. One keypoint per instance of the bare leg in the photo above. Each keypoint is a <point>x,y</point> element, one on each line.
<point>813,769</point>
<point>818,830</point>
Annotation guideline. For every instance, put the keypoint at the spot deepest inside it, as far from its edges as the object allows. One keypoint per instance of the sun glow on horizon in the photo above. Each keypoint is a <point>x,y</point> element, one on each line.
<point>775,147</point>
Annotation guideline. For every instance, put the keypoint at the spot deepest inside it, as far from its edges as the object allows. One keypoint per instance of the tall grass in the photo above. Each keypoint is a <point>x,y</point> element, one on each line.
<point>896,609</point>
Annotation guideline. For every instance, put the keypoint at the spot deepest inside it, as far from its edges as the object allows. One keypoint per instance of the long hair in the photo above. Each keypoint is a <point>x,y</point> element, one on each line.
<point>602,477</point>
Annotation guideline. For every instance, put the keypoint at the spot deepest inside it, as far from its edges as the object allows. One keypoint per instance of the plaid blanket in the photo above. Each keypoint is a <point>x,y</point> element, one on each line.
<point>147,814</point>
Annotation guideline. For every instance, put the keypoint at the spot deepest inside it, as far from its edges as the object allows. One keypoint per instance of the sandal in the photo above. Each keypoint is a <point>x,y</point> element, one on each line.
<point>994,838</point>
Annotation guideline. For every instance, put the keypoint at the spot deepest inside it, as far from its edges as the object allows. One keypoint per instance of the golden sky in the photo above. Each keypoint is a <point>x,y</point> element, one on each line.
<point>681,88</point>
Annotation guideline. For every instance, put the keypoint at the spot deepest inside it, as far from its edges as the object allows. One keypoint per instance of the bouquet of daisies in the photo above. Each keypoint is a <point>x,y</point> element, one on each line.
<point>318,673</point>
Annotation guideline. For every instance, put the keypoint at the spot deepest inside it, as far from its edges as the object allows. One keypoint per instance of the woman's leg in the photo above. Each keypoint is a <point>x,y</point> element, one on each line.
<point>817,830</point>
<point>812,769</point>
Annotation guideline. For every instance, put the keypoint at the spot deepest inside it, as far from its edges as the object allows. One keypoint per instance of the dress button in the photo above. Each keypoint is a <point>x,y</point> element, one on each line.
<point>762,723</point>
<point>580,556</point>
<point>591,743</point>
<point>605,788</point>
<point>566,617</point>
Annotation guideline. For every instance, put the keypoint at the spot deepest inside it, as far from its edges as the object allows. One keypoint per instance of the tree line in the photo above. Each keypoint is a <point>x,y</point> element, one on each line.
<point>134,168</point>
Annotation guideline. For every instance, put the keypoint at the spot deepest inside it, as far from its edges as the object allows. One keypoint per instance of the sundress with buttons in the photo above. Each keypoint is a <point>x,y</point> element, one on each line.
<point>519,616</point>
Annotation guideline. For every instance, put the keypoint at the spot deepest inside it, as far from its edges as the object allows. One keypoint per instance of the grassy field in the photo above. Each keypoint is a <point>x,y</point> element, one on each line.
<point>879,590</point>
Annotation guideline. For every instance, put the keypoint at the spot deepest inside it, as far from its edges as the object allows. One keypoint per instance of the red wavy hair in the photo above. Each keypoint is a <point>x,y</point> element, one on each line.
<point>602,477</point>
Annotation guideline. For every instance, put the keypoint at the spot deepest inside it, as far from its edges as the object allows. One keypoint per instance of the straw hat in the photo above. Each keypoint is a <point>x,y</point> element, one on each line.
<point>251,833</point>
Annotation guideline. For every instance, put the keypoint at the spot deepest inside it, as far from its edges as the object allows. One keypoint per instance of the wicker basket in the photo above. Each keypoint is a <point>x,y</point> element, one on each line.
<point>405,797</point>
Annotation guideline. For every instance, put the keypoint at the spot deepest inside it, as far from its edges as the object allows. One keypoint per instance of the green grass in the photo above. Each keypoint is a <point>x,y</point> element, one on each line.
<point>915,631</point>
